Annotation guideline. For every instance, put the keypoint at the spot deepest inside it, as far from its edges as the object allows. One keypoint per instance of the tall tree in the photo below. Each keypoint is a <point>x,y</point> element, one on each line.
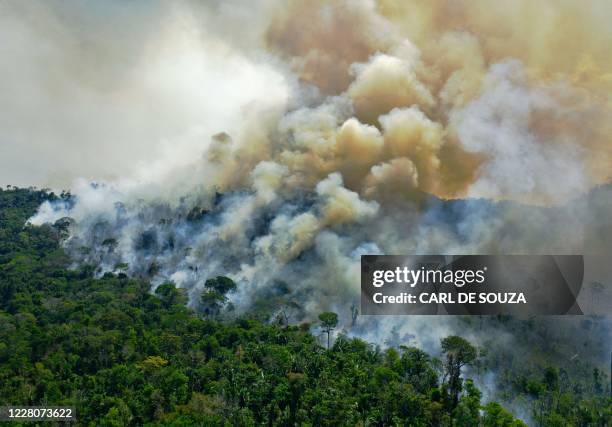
<point>214,297</point>
<point>459,352</point>
<point>329,321</point>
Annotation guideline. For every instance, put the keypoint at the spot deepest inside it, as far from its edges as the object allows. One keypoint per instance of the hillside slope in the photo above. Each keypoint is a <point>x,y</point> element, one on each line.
<point>124,356</point>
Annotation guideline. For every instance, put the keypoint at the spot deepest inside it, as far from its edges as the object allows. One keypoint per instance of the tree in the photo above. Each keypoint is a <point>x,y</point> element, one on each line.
<point>171,295</point>
<point>221,284</point>
<point>212,302</point>
<point>551,378</point>
<point>416,368</point>
<point>496,416</point>
<point>329,321</point>
<point>214,298</point>
<point>459,352</point>
<point>288,309</point>
<point>354,314</point>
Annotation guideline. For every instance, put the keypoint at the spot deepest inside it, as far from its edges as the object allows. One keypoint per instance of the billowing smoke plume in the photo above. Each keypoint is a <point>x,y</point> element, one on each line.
<point>347,128</point>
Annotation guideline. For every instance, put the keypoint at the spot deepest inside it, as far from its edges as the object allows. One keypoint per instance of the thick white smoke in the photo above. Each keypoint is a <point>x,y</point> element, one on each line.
<point>522,163</point>
<point>114,90</point>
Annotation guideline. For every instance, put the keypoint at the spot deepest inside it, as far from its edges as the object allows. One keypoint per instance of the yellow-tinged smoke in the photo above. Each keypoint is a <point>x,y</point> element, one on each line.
<point>505,100</point>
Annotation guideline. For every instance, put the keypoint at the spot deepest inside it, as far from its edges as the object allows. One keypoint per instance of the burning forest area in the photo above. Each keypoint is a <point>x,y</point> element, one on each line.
<point>213,172</point>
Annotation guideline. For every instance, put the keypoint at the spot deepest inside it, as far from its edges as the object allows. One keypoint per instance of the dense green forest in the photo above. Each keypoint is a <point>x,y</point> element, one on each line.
<point>123,355</point>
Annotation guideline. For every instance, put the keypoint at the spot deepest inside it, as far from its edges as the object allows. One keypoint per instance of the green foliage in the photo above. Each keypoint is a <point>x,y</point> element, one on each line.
<point>220,284</point>
<point>124,355</point>
<point>496,416</point>
<point>459,352</point>
<point>467,412</point>
<point>213,299</point>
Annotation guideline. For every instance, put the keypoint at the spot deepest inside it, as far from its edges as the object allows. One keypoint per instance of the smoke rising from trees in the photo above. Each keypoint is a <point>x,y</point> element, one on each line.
<point>276,142</point>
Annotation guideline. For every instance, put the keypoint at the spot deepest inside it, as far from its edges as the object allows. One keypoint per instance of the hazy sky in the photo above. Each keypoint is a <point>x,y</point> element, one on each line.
<point>95,89</point>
